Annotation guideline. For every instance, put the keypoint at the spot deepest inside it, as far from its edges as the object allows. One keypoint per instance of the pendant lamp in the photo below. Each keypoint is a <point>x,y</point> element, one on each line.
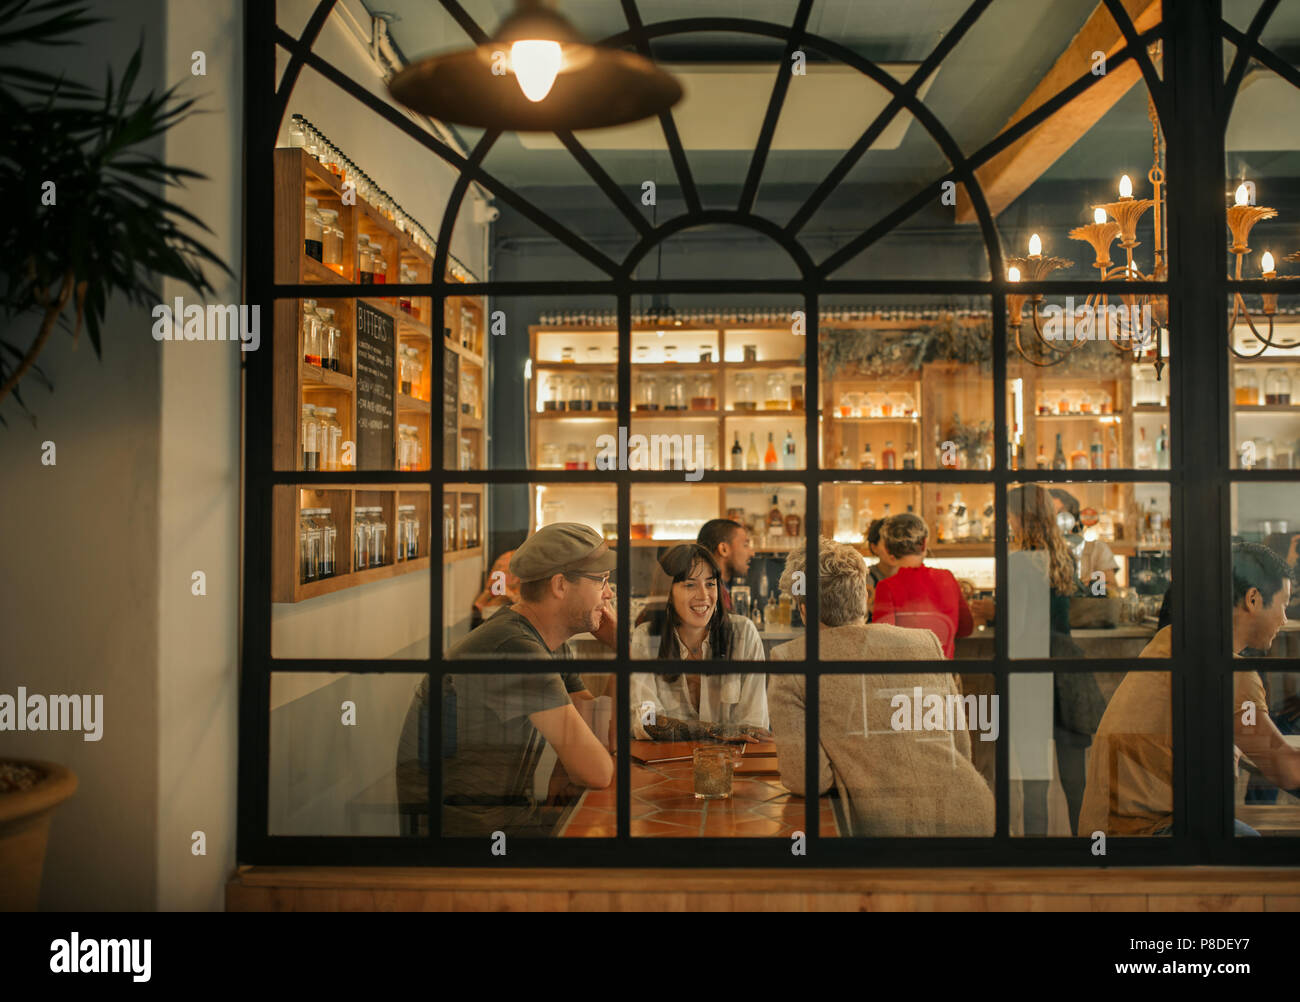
<point>536,74</point>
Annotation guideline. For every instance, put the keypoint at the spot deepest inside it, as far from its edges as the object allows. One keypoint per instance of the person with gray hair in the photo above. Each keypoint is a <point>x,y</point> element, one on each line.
<point>895,780</point>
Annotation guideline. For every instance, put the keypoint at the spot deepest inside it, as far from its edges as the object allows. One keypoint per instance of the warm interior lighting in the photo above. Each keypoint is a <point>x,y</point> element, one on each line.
<point>1098,216</point>
<point>536,63</point>
<point>1243,194</point>
<point>1013,274</point>
<point>1035,245</point>
<point>1266,263</point>
<point>1125,187</point>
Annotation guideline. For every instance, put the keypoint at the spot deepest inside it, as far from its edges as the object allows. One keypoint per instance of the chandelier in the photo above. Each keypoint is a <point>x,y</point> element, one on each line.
<point>1141,323</point>
<point>1241,219</point>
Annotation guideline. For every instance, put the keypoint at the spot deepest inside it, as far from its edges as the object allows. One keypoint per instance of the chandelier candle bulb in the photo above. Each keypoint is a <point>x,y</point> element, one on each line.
<point>1270,299</point>
<point>1098,215</point>
<point>1243,194</point>
<point>1035,246</point>
<point>1125,187</point>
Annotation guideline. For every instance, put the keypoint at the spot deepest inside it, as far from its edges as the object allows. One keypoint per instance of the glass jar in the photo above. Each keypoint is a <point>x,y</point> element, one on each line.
<point>574,459</point>
<point>778,393</point>
<point>906,405</point>
<point>408,532</point>
<point>361,524</point>
<point>1102,403</point>
<point>448,527</point>
<point>406,276</point>
<point>551,457</point>
<point>329,435</point>
<point>330,339</point>
<point>641,527</point>
<point>405,381</point>
<point>309,544</point>
<point>670,353</point>
<point>674,393</point>
<point>404,447</point>
<point>579,398</point>
<point>466,454</point>
<point>609,524</point>
<point>553,393</point>
<point>647,393</point>
<point>365,261</point>
<point>1062,402</point>
<point>313,235</point>
<point>417,375</point>
<point>329,542</point>
<point>331,240</point>
<point>466,393</point>
<point>751,353</point>
<point>702,395</point>
<point>642,354</point>
<point>1277,388</point>
<point>607,393</point>
<point>566,354</point>
<point>552,512</point>
<point>871,405</point>
<point>468,525</point>
<point>310,439</point>
<point>297,134</point>
<point>378,538</point>
<point>1247,387</point>
<point>744,400</point>
<point>593,354</point>
<point>311,332</point>
<point>706,354</point>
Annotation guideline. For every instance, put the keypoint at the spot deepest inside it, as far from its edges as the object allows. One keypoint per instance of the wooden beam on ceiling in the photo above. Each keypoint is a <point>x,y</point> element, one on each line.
<point>1009,174</point>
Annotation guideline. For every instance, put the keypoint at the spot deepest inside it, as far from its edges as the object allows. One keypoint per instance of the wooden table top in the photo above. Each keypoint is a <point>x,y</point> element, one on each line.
<point>664,806</point>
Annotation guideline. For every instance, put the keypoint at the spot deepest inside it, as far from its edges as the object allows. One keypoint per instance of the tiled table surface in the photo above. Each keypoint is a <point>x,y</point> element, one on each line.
<point>664,806</point>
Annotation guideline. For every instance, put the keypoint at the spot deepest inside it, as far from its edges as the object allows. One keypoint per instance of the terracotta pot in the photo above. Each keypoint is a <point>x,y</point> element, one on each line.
<point>24,828</point>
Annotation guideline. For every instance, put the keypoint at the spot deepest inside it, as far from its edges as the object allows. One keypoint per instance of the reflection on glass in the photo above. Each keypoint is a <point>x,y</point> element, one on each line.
<point>1266,736</point>
<point>1269,514</point>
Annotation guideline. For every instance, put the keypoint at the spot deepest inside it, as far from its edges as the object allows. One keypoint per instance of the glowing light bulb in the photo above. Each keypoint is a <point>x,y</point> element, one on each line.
<point>1099,216</point>
<point>536,63</point>
<point>1243,194</point>
<point>1125,187</point>
<point>1035,245</point>
<point>1013,274</point>
<point>1266,263</point>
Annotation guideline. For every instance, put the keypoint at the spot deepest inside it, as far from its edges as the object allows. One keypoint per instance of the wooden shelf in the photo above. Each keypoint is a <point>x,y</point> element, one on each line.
<point>455,556</point>
<point>314,375</point>
<point>409,403</point>
<point>1292,409</point>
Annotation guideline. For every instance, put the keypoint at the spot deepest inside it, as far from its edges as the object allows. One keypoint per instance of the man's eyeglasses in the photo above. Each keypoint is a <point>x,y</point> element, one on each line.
<point>601,579</point>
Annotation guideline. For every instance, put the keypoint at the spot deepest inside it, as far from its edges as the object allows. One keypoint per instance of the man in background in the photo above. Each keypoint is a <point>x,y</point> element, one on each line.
<point>729,543</point>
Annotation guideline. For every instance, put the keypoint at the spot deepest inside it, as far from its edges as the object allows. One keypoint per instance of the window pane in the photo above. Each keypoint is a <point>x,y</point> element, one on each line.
<point>1088,569</point>
<point>929,555</point>
<point>1265,555</point>
<point>1264,355</point>
<point>748,531</point>
<point>735,780</point>
<point>527,755</point>
<point>1092,752</point>
<point>1266,731</point>
<point>343,760</point>
<point>350,572</point>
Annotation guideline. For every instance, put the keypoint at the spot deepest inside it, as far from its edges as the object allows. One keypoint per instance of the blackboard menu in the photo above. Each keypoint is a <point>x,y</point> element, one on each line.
<point>451,407</point>
<point>376,353</point>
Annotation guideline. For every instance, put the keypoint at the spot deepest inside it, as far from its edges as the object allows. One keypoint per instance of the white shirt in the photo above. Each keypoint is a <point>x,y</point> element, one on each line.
<point>724,699</point>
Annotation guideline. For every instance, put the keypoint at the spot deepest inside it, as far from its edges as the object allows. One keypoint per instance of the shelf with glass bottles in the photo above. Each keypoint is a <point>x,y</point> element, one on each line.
<point>345,536</point>
<point>462,522</point>
<point>1265,425</point>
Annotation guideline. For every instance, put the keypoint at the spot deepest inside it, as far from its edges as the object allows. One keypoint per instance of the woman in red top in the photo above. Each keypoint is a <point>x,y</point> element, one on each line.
<point>917,596</point>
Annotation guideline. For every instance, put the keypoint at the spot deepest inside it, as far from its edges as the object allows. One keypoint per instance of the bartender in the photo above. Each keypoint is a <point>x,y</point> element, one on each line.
<point>1091,554</point>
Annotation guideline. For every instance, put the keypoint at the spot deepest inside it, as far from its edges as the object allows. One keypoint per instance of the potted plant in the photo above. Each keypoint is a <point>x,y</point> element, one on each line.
<point>88,218</point>
<point>29,793</point>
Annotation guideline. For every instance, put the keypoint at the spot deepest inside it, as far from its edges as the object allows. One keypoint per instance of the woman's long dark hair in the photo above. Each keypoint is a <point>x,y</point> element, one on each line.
<point>678,565</point>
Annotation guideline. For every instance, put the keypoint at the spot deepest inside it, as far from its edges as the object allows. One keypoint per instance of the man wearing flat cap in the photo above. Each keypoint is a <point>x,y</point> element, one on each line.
<point>503,722</point>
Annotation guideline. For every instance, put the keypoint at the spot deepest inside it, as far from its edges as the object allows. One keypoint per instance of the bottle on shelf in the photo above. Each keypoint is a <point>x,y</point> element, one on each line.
<point>866,461</point>
<point>1096,454</point>
<point>1112,449</point>
<point>775,518</point>
<point>792,520</point>
<point>888,457</point>
<point>987,530</point>
<point>865,515</point>
<point>844,521</point>
<point>751,455</point>
<point>769,457</point>
<point>842,461</point>
<point>1079,458</point>
<point>960,521</point>
<point>737,454</point>
<point>1145,455</point>
<point>1058,458</point>
<point>885,513</point>
<point>948,522</point>
<point>1040,462</point>
<point>789,457</point>
<point>1162,449</point>
<point>941,529</point>
<point>909,457</point>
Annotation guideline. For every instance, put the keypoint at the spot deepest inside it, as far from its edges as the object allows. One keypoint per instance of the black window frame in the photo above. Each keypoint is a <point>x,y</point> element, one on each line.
<point>1194,106</point>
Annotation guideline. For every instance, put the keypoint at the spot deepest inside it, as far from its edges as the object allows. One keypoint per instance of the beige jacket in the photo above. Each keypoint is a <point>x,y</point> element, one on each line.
<point>895,779</point>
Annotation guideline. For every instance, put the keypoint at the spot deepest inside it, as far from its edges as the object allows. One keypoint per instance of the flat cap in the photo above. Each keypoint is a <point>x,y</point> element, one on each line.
<point>560,547</point>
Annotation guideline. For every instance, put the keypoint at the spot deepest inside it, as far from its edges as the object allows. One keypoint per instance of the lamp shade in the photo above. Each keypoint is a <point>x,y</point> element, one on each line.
<point>594,87</point>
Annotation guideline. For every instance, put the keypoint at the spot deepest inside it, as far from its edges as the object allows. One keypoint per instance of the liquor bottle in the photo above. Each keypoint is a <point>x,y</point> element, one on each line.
<point>889,458</point>
<point>1096,459</point>
<point>909,457</point>
<point>1058,460</point>
<point>867,460</point>
<point>986,527</point>
<point>844,521</point>
<point>961,524</point>
<point>789,458</point>
<point>792,521</point>
<point>737,454</point>
<point>948,523</point>
<point>1145,456</point>
<point>751,455</point>
<point>775,520</point>
<point>842,461</point>
<point>769,457</point>
<point>941,529</point>
<point>1156,521</point>
<point>1162,449</point>
<point>885,513</point>
<point>865,516</point>
<point>1079,458</point>
<point>1112,450</point>
<point>1041,461</point>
